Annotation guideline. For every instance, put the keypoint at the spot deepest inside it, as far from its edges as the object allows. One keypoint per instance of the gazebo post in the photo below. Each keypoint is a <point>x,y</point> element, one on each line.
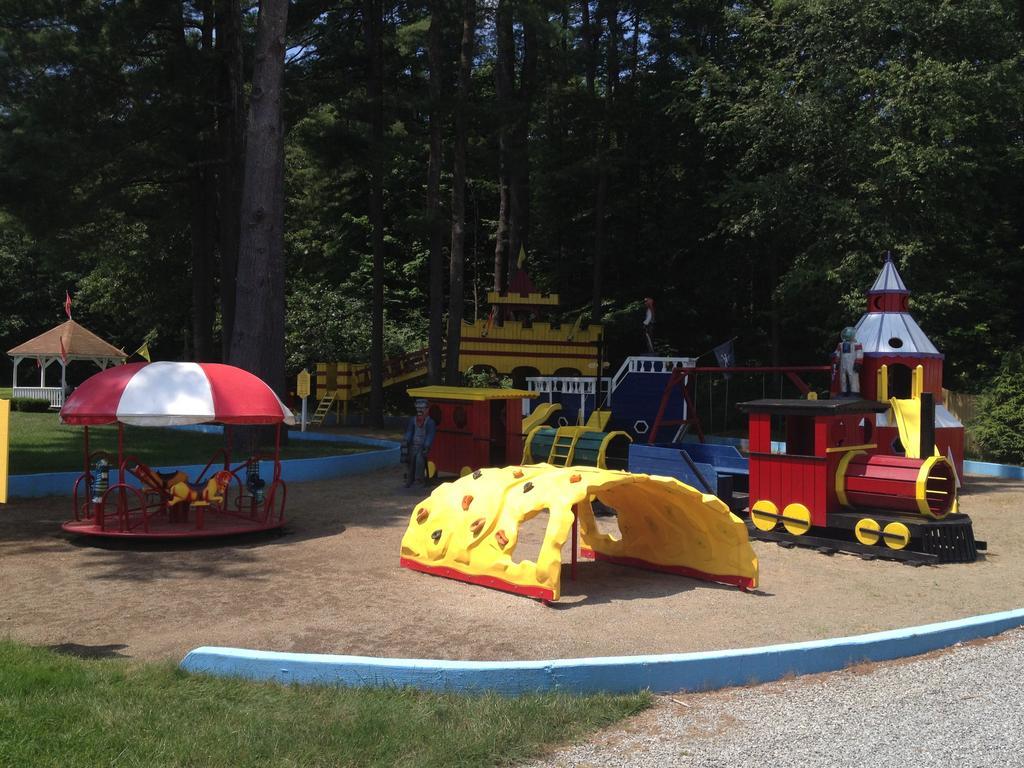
<point>17,362</point>
<point>42,372</point>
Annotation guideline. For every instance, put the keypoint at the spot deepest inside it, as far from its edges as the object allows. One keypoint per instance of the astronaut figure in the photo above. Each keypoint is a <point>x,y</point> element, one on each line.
<point>847,361</point>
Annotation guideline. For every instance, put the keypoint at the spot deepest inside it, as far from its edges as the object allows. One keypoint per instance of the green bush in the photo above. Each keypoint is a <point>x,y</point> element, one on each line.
<point>30,404</point>
<point>999,425</point>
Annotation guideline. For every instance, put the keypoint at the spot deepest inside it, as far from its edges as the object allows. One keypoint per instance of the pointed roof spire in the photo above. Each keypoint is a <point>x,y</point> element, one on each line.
<point>888,280</point>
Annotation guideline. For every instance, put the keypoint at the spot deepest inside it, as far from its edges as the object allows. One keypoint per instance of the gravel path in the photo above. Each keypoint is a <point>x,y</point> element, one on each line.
<point>960,707</point>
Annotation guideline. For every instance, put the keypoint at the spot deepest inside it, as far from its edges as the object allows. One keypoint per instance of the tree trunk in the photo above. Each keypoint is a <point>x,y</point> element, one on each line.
<point>257,341</point>
<point>519,170</point>
<point>504,75</point>
<point>455,275</point>
<point>435,372</point>
<point>231,134</point>
<point>589,44</point>
<point>203,236</point>
<point>202,194</point>
<point>609,11</point>
<point>374,21</point>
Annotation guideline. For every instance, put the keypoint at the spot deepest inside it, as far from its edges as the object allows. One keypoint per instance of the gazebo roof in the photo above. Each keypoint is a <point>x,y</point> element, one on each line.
<point>79,342</point>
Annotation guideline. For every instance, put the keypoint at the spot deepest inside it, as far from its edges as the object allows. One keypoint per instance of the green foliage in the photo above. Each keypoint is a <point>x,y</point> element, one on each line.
<point>156,715</point>
<point>761,159</point>
<point>999,424</point>
<point>480,378</point>
<point>30,404</point>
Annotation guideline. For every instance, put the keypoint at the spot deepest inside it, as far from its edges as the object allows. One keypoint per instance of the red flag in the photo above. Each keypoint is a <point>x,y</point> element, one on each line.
<point>63,353</point>
<point>67,304</point>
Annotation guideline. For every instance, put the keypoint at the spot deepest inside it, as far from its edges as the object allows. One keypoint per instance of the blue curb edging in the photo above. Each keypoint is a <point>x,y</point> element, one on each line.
<point>292,470</point>
<point>667,673</point>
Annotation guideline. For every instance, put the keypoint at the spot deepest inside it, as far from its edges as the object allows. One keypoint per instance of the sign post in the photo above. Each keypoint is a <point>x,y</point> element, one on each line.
<point>302,390</point>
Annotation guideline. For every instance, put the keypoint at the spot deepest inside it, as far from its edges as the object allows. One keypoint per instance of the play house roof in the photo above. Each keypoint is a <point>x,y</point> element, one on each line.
<point>78,342</point>
<point>893,333</point>
<point>888,332</point>
<point>468,393</point>
<point>888,280</point>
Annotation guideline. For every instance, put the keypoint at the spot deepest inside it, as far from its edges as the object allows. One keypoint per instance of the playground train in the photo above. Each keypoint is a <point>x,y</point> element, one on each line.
<point>875,470</point>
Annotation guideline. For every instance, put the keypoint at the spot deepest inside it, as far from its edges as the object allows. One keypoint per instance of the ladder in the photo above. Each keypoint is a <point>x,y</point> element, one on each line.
<point>564,446</point>
<point>324,408</point>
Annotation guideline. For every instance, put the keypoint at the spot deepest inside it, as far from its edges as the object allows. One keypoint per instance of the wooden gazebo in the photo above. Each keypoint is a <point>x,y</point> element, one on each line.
<point>62,344</point>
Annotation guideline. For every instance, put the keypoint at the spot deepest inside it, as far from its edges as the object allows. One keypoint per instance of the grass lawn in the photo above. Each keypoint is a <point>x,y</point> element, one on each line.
<point>39,443</point>
<point>58,710</point>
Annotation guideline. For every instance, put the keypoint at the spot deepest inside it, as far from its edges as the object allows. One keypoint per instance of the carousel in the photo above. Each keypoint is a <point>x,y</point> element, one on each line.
<point>226,498</point>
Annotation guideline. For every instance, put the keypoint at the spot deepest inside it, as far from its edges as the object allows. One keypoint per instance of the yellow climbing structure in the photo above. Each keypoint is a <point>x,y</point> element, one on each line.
<point>469,529</point>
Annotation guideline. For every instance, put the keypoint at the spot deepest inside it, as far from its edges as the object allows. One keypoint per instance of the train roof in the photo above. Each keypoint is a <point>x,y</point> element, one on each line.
<point>836,406</point>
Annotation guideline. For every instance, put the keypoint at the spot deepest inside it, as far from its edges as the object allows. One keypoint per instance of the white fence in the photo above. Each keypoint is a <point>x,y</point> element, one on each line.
<point>54,394</point>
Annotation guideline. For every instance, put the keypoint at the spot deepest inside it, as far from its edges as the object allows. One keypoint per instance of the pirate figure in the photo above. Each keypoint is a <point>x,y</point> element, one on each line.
<point>419,436</point>
<point>648,326</point>
<point>846,362</point>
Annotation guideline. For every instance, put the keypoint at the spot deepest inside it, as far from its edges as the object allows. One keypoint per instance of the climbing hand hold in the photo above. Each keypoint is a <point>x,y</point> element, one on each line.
<point>466,501</point>
<point>501,538</point>
<point>422,514</point>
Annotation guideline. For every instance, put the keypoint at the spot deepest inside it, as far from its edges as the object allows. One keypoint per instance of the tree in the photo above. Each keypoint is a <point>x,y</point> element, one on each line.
<point>231,135</point>
<point>258,337</point>
<point>435,221</point>
<point>456,269</point>
<point>373,11</point>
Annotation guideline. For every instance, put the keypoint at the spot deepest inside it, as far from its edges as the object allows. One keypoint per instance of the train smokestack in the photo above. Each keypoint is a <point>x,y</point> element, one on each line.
<point>927,446</point>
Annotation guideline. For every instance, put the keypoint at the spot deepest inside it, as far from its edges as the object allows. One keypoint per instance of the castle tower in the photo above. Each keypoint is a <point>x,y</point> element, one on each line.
<point>891,337</point>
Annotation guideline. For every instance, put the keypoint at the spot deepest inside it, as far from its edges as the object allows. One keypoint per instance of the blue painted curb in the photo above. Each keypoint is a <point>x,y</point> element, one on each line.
<point>667,673</point>
<point>292,470</point>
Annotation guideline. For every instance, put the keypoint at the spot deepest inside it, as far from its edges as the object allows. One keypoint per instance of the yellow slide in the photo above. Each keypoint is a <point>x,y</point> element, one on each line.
<point>540,416</point>
<point>908,422</point>
<point>468,529</point>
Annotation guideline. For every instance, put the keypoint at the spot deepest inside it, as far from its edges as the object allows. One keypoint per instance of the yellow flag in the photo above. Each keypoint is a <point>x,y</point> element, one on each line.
<point>143,352</point>
<point>522,257</point>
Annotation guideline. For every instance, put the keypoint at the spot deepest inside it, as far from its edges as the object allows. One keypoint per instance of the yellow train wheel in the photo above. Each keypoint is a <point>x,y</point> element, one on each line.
<point>867,531</point>
<point>897,535</point>
<point>431,470</point>
<point>797,519</point>
<point>764,515</point>
<point>465,471</point>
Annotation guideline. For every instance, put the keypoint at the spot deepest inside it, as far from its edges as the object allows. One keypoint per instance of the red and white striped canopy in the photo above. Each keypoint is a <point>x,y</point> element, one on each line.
<point>165,393</point>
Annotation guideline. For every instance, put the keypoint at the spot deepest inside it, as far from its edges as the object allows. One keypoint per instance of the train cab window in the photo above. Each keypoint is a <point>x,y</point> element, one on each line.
<point>793,435</point>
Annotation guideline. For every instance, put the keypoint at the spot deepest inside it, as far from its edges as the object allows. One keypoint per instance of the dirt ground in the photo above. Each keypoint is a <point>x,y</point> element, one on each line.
<point>332,584</point>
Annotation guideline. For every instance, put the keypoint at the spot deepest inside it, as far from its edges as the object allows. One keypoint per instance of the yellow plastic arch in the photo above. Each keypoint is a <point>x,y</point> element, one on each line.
<point>468,529</point>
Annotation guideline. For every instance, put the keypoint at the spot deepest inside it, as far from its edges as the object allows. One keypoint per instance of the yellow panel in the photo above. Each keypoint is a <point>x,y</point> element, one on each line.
<point>5,436</point>
<point>471,526</point>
